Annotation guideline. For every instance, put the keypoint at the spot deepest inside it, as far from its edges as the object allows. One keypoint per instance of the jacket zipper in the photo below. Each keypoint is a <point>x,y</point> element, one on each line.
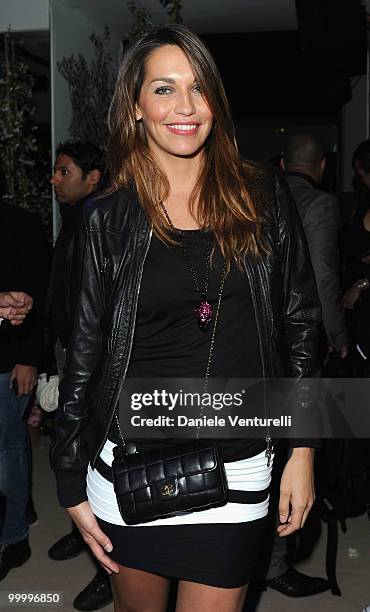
<point>122,375</point>
<point>269,446</point>
<point>103,270</point>
<point>104,266</point>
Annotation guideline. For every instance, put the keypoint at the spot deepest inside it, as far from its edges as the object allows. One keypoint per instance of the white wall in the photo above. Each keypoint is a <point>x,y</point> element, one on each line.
<point>70,29</point>
<point>23,15</point>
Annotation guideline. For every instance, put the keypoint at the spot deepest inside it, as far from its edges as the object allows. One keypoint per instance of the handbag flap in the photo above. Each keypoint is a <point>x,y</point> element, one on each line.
<point>140,470</point>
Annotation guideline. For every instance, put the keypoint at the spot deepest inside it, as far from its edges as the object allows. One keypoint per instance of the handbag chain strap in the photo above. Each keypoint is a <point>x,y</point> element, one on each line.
<point>212,343</point>
<point>129,446</point>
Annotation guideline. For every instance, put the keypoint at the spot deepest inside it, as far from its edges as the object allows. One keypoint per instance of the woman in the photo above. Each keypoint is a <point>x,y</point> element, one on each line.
<point>187,226</point>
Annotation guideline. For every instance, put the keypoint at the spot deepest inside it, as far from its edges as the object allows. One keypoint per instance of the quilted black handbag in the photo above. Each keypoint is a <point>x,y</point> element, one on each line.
<point>168,481</point>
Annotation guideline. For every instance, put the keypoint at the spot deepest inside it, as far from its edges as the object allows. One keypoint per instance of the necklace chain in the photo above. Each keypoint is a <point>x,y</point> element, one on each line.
<point>204,312</point>
<point>203,292</point>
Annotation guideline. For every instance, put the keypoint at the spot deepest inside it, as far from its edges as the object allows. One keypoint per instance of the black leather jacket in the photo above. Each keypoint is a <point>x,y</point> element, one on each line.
<point>108,263</point>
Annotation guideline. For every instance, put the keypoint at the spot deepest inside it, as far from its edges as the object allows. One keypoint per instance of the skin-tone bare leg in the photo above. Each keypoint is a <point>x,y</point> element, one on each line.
<point>138,591</point>
<point>192,596</point>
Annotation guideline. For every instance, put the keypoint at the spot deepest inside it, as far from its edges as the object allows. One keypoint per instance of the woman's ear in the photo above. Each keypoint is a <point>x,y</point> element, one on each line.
<point>138,115</point>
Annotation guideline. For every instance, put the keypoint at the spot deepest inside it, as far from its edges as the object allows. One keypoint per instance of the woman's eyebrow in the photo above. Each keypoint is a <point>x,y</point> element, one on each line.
<point>165,79</point>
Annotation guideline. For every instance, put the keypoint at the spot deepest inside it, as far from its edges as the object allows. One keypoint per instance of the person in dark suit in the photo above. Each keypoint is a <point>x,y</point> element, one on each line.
<point>24,267</point>
<point>303,163</point>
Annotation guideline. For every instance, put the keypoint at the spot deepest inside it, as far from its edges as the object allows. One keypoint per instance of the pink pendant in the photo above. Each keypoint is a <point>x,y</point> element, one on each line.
<point>204,314</point>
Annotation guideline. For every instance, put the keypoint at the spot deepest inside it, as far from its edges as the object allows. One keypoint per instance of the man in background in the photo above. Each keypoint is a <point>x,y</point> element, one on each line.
<point>77,178</point>
<point>303,163</point>
<point>24,257</point>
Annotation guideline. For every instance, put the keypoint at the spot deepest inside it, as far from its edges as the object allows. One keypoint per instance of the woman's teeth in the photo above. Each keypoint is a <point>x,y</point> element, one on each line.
<point>183,128</point>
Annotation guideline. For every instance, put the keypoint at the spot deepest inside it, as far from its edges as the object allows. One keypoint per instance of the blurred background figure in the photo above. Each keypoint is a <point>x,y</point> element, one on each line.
<point>304,164</point>
<point>78,176</point>
<point>357,244</point>
<point>24,267</point>
<point>356,249</point>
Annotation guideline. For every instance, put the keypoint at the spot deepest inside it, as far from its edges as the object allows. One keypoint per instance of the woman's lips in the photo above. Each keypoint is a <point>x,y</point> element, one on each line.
<point>184,129</point>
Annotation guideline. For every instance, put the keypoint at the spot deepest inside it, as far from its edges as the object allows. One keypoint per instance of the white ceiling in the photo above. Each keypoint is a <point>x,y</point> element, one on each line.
<point>204,16</point>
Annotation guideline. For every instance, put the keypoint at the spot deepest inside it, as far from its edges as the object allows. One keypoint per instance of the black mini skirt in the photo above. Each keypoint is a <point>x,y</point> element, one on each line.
<point>222,555</point>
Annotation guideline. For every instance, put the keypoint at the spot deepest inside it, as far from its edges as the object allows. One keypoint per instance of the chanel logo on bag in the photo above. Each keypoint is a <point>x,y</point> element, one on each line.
<point>167,489</point>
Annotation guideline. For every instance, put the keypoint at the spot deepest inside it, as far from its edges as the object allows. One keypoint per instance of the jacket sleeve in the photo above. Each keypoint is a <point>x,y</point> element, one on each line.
<point>302,314</point>
<point>69,454</point>
<point>321,230</point>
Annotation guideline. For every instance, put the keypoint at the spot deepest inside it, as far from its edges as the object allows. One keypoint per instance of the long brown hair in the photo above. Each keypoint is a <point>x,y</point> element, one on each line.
<point>229,202</point>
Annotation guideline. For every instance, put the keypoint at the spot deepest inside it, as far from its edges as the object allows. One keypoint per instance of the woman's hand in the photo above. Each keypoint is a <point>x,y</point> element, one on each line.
<point>296,490</point>
<point>98,542</point>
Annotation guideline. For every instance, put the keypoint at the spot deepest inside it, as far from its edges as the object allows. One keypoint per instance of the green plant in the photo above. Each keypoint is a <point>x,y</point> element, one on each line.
<point>91,89</point>
<point>173,10</point>
<point>24,166</point>
<point>142,20</point>
<point>142,17</point>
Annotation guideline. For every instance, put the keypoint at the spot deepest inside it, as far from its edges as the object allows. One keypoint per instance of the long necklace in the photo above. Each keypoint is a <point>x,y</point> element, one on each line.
<point>203,312</point>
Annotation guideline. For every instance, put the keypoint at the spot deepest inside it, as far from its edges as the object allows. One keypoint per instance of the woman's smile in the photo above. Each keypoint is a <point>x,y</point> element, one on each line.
<point>183,129</point>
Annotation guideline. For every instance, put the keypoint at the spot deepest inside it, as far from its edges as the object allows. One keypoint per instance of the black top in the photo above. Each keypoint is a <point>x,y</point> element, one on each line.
<point>168,341</point>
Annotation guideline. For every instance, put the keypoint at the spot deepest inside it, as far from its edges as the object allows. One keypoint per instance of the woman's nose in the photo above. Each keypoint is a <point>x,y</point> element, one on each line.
<point>185,104</point>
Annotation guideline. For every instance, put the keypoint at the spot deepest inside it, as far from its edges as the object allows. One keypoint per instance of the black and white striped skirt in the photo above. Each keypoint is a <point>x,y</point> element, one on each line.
<point>218,546</point>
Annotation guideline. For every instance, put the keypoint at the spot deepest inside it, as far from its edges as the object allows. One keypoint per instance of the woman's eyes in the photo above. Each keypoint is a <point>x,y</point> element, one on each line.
<point>164,90</point>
